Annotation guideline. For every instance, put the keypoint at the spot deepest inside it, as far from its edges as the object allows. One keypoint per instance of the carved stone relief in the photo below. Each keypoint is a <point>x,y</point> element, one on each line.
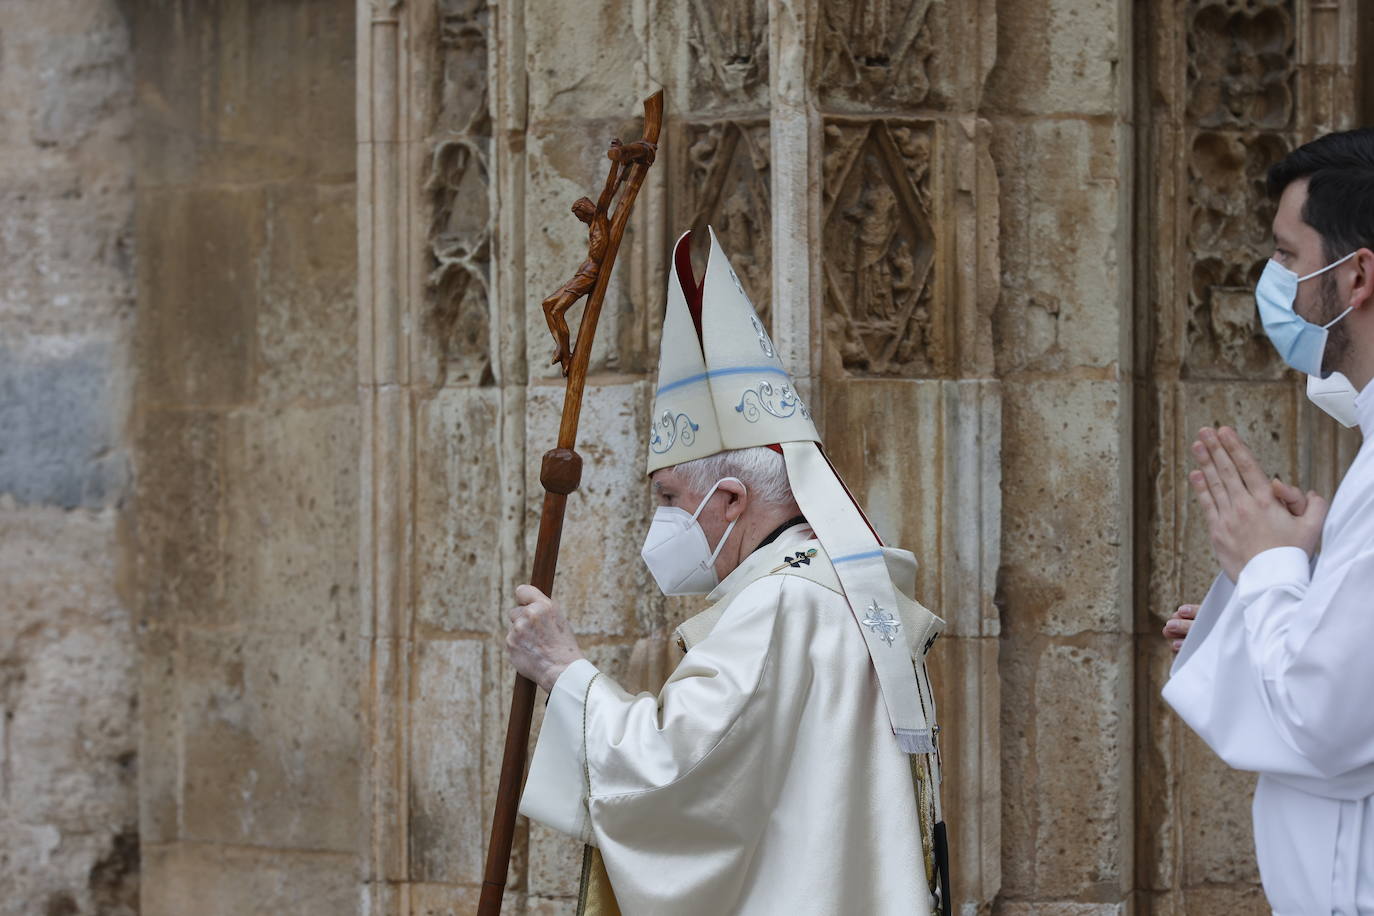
<point>1241,68</point>
<point>727,188</point>
<point>1241,63</point>
<point>728,41</point>
<point>879,247</point>
<point>874,52</point>
<point>460,230</point>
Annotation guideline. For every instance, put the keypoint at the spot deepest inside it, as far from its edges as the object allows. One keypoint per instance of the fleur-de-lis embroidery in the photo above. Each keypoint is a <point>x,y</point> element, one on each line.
<point>883,624</point>
<point>668,429</point>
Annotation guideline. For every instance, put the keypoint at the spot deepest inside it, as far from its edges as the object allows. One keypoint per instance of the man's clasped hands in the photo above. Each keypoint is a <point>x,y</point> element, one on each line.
<point>1247,512</point>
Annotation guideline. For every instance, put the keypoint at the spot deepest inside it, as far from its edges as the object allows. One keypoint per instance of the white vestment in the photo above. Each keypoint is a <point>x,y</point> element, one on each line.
<point>1277,676</point>
<point>765,777</point>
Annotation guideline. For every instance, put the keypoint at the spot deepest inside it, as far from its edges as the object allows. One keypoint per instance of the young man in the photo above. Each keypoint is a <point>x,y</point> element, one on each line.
<point>789,763</point>
<point>1275,671</point>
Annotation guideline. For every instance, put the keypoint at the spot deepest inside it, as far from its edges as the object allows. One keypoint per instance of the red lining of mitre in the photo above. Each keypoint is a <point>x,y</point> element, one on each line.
<point>691,289</point>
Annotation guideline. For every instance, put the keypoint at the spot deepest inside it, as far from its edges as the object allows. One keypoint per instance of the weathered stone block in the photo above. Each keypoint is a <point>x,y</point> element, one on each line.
<point>1062,202</point>
<point>1241,900</point>
<point>1060,908</point>
<point>1064,509</point>
<point>577,57</point>
<point>886,437</point>
<point>159,737</point>
<point>200,257</point>
<point>447,818</point>
<point>180,517</point>
<point>68,691</point>
<point>551,906</point>
<point>76,762</point>
<point>602,582</point>
<point>292,507</point>
<point>1219,845</point>
<point>307,335</point>
<point>226,881</point>
<point>271,743</point>
<point>60,415</point>
<point>1060,56</point>
<point>267,120</point>
<point>555,863</point>
<point>1066,731</point>
<point>66,242</point>
<point>1160,843</point>
<point>444,900</point>
<point>48,871</point>
<point>458,506</point>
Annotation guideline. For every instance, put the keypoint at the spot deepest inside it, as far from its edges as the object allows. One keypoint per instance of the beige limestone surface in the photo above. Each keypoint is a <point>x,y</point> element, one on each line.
<point>69,766</point>
<point>259,530</point>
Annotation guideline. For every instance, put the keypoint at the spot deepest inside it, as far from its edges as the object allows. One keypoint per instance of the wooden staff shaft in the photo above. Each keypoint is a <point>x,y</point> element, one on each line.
<point>560,475</point>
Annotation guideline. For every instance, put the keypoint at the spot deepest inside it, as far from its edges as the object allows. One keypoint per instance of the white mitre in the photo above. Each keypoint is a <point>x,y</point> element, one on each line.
<point>728,390</point>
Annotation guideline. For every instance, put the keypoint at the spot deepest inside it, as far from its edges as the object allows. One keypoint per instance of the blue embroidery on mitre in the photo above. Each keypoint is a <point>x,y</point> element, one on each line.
<point>668,429</point>
<point>883,624</point>
<point>765,342</point>
<point>781,402</point>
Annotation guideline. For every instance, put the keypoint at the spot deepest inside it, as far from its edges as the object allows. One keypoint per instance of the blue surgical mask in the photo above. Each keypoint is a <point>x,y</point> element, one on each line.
<point>1300,343</point>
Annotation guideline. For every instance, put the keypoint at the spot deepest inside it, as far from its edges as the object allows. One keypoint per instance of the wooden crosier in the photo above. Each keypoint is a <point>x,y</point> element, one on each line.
<point>561,470</point>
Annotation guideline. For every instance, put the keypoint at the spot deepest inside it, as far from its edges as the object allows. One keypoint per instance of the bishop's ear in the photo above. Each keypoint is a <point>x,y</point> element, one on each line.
<point>736,497</point>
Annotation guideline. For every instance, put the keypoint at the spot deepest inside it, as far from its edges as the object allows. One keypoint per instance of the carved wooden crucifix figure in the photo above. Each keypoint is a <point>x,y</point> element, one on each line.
<point>598,220</point>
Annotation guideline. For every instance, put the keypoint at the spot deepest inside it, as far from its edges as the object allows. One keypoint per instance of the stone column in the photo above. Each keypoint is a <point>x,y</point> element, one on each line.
<point>69,757</point>
<point>902,258</point>
<point>243,528</point>
<point>1059,100</point>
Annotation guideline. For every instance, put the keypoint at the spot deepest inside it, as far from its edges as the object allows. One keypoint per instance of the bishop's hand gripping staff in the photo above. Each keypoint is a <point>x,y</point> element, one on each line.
<point>562,466</point>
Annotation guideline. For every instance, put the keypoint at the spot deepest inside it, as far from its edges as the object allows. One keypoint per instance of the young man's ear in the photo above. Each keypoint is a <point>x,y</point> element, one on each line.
<point>1362,284</point>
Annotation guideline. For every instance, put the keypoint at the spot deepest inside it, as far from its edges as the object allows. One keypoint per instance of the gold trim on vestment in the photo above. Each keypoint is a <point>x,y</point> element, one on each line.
<point>595,897</point>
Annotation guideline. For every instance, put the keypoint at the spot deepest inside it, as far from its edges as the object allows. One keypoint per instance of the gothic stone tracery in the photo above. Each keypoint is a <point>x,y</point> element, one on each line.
<point>727,187</point>
<point>879,247</point>
<point>1240,110</point>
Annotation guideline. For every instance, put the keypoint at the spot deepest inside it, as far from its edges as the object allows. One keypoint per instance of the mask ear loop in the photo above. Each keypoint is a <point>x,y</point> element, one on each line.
<point>728,528</point>
<point>1317,273</point>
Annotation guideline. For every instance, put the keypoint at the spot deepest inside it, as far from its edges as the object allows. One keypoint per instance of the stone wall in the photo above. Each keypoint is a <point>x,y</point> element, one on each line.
<point>1005,246</point>
<point>68,762</point>
<point>1005,249</point>
<point>243,534</point>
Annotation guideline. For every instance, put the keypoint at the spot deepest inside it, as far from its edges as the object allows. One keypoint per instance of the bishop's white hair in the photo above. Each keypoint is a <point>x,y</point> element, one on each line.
<point>761,469</point>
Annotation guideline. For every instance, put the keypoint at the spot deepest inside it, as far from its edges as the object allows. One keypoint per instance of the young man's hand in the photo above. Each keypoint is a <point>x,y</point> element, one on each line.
<point>1247,512</point>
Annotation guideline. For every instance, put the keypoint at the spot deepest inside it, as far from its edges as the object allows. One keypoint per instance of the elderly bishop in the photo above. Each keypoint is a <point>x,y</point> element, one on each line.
<point>789,765</point>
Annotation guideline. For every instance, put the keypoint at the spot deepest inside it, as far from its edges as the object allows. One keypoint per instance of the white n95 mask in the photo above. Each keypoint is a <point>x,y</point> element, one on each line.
<point>676,551</point>
<point>1335,396</point>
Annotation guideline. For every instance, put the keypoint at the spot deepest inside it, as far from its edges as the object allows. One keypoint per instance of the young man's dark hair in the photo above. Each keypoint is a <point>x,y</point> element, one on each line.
<point>1339,169</point>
